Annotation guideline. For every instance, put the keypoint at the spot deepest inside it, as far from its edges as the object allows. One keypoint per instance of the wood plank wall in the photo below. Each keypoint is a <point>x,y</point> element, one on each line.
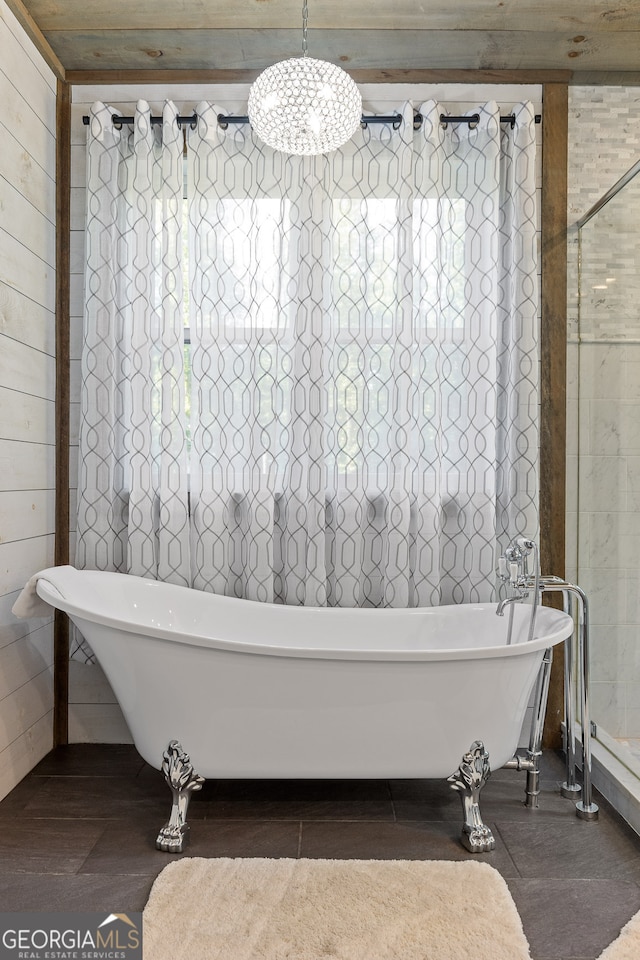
<point>27,392</point>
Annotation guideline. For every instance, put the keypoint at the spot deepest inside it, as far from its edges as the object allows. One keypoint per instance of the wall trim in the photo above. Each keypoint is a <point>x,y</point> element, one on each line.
<point>553,353</point>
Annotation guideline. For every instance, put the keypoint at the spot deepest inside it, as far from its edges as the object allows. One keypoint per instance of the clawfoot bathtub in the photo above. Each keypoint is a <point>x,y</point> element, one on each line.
<point>256,690</point>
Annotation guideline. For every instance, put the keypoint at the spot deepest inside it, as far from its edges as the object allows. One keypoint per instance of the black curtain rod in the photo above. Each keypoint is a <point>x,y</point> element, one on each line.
<point>395,119</point>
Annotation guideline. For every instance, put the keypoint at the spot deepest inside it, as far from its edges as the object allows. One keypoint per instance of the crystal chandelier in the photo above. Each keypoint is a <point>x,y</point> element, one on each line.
<point>304,106</point>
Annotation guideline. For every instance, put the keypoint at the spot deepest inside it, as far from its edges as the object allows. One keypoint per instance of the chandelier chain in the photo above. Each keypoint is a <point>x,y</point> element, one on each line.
<point>305,17</point>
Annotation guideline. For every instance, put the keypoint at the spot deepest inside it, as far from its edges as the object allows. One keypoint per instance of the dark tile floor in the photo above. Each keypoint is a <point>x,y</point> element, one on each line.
<point>79,832</point>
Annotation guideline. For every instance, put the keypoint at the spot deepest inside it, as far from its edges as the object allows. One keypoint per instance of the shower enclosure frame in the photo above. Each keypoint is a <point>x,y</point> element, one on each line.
<point>616,771</point>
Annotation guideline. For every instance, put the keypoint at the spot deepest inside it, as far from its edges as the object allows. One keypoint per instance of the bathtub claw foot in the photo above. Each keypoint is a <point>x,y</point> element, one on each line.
<point>468,780</point>
<point>182,781</point>
<point>478,839</point>
<point>173,839</point>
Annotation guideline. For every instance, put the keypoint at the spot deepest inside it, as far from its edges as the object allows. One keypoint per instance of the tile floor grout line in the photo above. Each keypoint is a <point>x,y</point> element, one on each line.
<point>95,843</point>
<point>496,827</point>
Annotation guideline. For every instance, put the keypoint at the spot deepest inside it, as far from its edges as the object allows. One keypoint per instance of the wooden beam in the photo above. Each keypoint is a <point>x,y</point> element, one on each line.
<point>91,77</point>
<point>255,49</point>
<point>63,280</point>
<point>605,78</point>
<point>553,349</point>
<point>36,36</point>
<point>591,78</point>
<point>378,75</point>
<point>384,75</point>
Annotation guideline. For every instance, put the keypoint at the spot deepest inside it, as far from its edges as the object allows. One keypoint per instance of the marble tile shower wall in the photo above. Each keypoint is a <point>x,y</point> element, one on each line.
<point>603,430</point>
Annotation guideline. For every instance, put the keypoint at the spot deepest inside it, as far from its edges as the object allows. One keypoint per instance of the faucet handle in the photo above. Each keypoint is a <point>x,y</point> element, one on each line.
<point>525,544</point>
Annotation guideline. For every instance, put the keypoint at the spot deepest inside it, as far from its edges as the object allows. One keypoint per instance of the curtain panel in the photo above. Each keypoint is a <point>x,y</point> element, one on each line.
<point>363,351</point>
<point>132,484</point>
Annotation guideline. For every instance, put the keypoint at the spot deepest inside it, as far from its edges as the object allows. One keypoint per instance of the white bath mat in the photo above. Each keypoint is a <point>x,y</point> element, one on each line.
<point>627,946</point>
<point>264,909</point>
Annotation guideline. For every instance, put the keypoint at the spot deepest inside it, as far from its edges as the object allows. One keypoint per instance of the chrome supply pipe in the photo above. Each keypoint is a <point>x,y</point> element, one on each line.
<point>586,809</point>
<point>531,763</point>
<point>529,545</point>
<point>534,753</point>
<point>513,570</point>
<point>570,788</point>
<point>510,625</point>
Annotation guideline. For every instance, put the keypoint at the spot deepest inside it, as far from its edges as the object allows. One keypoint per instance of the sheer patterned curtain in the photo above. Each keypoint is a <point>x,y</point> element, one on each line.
<point>132,489</point>
<point>364,360</point>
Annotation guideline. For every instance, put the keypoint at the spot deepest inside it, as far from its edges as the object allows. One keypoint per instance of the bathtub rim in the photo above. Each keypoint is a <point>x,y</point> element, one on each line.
<point>559,628</point>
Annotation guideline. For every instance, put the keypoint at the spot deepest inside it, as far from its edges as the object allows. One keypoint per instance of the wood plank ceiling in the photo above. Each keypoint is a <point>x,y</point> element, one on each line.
<point>586,37</point>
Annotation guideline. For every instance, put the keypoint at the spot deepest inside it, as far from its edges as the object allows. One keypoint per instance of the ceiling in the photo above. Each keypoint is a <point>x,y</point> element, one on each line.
<point>582,36</point>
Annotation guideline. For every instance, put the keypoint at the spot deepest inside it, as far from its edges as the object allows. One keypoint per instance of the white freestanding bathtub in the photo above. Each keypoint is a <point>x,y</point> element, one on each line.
<point>256,690</point>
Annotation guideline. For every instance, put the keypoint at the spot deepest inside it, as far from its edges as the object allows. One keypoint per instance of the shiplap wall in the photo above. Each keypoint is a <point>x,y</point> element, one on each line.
<point>27,382</point>
<point>94,715</point>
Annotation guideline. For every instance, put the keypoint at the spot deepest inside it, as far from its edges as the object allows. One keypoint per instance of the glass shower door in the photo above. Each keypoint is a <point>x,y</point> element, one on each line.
<point>607,460</point>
